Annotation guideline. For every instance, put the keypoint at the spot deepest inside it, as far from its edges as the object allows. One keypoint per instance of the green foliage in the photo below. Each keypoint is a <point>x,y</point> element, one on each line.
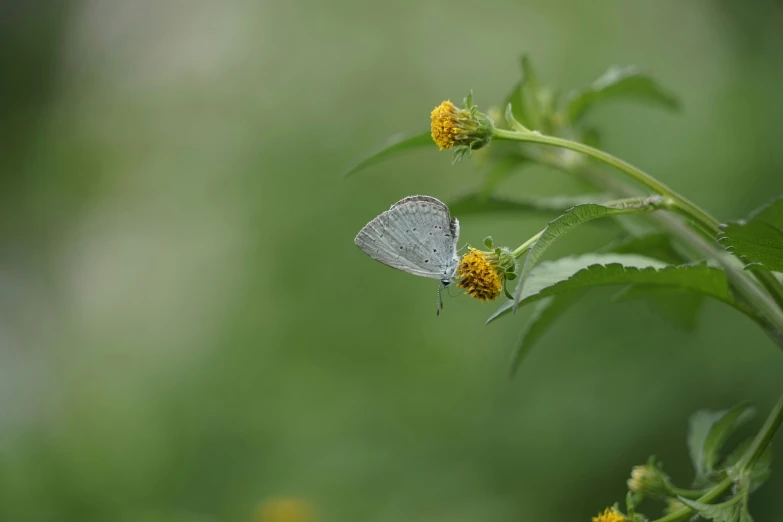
<point>616,83</point>
<point>571,219</point>
<point>526,99</point>
<point>761,468</point>
<point>744,515</point>
<point>593,270</point>
<point>679,307</point>
<point>759,237</point>
<point>631,501</point>
<point>726,512</point>
<point>394,146</point>
<point>708,432</point>
<point>658,266</point>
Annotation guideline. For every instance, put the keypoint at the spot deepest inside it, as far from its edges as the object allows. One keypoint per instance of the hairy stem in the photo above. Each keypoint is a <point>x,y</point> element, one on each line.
<point>690,209</point>
<point>708,497</point>
<point>517,253</point>
<point>763,437</point>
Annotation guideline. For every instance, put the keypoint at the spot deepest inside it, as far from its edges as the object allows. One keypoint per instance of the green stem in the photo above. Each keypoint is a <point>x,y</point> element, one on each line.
<point>524,246</point>
<point>769,304</point>
<point>763,437</point>
<point>771,284</point>
<point>687,208</point>
<point>708,497</point>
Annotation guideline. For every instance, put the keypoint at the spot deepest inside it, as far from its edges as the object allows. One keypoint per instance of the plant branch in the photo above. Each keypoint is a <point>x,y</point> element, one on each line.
<point>744,466</point>
<point>708,497</point>
<point>763,438</point>
<point>768,304</point>
<point>688,208</point>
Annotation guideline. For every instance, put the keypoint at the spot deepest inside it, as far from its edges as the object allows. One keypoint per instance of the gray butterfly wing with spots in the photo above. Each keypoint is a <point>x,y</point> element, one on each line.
<point>416,235</point>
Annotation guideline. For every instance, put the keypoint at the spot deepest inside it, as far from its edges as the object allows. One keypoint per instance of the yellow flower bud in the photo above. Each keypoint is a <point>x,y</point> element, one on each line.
<point>453,127</point>
<point>479,275</point>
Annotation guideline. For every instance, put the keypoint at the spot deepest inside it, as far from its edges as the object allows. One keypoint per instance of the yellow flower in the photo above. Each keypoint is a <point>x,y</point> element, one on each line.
<point>478,275</point>
<point>281,509</point>
<point>444,125</point>
<point>459,127</point>
<point>610,515</point>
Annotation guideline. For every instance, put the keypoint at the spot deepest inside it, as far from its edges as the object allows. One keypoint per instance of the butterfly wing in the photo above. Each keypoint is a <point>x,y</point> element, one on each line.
<point>416,235</point>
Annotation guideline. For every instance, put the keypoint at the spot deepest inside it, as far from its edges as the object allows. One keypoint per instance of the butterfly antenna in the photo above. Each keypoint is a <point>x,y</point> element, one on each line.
<point>440,300</point>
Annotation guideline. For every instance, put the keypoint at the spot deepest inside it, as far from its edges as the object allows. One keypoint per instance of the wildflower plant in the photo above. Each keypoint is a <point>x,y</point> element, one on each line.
<point>669,243</point>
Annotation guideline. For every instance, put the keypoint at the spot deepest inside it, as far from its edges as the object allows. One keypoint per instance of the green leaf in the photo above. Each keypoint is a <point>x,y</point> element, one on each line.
<point>726,512</point>
<point>631,501</point>
<point>616,83</point>
<point>468,101</point>
<point>708,432</point>
<point>544,314</point>
<point>761,469</point>
<point>653,244</point>
<point>477,203</point>
<point>571,219</point>
<point>488,242</point>
<point>524,97</point>
<point>679,307</point>
<point>395,145</point>
<point>759,237</point>
<point>511,120</point>
<point>594,270</point>
<point>744,515</point>
<point>763,463</point>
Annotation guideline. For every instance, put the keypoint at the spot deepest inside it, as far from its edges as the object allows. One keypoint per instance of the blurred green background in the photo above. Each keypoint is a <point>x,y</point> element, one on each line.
<point>187,330</point>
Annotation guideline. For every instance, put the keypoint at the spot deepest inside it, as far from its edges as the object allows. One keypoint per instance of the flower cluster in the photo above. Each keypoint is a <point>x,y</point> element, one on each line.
<point>467,127</point>
<point>478,274</point>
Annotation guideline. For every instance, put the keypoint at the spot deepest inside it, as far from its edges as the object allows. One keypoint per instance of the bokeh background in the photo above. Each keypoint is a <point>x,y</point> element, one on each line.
<point>187,332</point>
